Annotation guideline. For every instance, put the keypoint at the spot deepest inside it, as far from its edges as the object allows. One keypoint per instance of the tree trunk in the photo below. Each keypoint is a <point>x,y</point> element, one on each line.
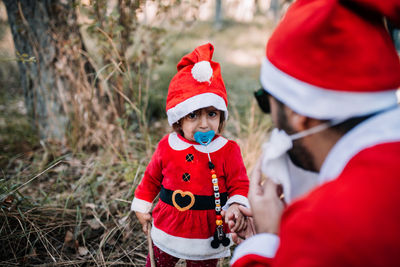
<point>274,7</point>
<point>48,31</point>
<point>218,15</point>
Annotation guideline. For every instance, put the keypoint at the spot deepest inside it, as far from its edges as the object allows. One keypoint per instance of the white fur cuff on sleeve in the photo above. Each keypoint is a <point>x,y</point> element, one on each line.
<point>264,245</point>
<point>242,200</point>
<point>141,205</point>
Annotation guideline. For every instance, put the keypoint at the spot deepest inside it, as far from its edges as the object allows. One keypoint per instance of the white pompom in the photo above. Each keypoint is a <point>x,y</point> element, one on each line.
<point>202,71</point>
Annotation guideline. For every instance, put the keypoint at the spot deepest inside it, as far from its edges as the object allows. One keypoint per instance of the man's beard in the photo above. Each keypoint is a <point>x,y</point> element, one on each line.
<point>299,154</point>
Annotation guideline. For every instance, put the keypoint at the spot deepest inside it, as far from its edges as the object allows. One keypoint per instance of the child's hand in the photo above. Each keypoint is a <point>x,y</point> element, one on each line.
<point>235,219</point>
<point>144,219</point>
<point>249,230</point>
<point>243,232</point>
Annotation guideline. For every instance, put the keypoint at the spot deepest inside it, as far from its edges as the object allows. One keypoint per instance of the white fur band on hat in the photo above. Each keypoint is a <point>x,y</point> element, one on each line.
<point>321,103</point>
<point>194,103</point>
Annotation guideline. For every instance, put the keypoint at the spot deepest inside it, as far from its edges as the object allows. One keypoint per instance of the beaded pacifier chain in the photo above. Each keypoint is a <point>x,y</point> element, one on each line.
<point>219,235</point>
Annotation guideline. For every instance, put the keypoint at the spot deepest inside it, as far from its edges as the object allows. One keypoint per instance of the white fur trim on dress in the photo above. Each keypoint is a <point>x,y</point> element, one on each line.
<point>194,103</point>
<point>320,103</point>
<point>141,205</point>
<point>382,128</point>
<point>178,144</point>
<point>264,245</point>
<point>188,248</point>
<point>242,200</point>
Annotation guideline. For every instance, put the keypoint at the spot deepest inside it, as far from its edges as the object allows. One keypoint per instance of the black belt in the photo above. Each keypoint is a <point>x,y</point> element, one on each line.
<point>183,200</point>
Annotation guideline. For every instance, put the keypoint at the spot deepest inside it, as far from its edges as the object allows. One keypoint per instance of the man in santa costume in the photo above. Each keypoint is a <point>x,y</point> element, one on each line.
<point>331,74</point>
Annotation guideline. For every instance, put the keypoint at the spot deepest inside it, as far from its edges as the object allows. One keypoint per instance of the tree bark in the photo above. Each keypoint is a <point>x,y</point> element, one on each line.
<point>48,31</point>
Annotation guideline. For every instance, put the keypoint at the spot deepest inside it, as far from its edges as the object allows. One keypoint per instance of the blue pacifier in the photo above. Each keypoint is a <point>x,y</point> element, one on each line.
<point>204,138</point>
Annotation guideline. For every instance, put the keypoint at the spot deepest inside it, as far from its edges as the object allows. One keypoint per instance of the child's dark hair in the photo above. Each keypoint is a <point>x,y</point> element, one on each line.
<point>178,129</point>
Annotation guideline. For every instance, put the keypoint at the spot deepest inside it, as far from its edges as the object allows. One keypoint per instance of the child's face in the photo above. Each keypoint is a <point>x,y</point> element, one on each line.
<point>201,120</point>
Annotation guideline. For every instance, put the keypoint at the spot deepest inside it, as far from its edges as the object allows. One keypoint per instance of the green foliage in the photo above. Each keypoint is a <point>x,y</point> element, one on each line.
<point>24,57</point>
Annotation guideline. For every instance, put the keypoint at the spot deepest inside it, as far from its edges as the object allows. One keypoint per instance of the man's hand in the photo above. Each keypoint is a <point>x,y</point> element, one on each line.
<point>266,206</point>
<point>144,219</point>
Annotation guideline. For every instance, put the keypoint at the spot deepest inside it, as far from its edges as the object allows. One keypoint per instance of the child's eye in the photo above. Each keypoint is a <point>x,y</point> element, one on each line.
<point>191,115</point>
<point>212,113</point>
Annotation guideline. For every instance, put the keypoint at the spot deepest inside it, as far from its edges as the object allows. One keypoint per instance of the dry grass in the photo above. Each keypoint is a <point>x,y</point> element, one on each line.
<point>74,211</point>
<point>251,133</point>
<point>64,237</point>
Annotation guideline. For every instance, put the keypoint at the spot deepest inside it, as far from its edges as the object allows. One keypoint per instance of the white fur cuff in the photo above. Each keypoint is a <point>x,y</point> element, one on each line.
<point>239,199</point>
<point>264,245</point>
<point>141,205</point>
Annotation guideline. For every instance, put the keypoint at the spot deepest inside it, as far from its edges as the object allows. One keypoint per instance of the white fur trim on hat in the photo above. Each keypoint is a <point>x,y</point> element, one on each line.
<point>202,71</point>
<point>320,103</point>
<point>194,103</point>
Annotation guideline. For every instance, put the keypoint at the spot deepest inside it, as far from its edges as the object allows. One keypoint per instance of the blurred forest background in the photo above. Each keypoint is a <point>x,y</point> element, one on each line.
<point>82,106</point>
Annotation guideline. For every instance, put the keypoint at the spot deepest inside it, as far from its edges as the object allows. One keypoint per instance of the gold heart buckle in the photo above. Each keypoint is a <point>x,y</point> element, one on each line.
<point>183,194</point>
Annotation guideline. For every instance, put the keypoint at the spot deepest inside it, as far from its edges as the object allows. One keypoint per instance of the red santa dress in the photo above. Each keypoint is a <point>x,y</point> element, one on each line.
<point>184,217</point>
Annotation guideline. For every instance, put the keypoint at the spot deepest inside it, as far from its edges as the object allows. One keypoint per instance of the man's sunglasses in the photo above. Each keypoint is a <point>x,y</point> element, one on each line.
<point>262,99</point>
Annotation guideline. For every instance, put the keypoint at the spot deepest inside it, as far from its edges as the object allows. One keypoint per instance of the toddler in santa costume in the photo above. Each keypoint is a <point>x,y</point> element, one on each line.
<point>197,172</point>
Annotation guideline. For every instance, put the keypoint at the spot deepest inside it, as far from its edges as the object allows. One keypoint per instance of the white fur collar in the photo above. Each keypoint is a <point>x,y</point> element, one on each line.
<point>382,128</point>
<point>178,144</point>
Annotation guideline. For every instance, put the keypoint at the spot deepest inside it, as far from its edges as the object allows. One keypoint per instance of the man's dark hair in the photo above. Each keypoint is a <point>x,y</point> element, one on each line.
<point>349,124</point>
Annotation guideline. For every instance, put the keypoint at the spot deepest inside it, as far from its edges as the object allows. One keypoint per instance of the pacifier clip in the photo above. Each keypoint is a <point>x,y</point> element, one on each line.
<point>219,234</point>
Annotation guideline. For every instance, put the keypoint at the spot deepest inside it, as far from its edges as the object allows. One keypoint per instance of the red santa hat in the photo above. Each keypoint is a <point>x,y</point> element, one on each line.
<point>198,84</point>
<point>331,59</point>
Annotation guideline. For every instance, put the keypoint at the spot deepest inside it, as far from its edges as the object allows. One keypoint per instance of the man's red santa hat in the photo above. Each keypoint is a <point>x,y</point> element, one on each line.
<point>331,59</point>
<point>198,84</point>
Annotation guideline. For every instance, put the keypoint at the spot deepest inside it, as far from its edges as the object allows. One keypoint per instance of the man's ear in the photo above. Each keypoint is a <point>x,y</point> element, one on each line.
<point>299,122</point>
